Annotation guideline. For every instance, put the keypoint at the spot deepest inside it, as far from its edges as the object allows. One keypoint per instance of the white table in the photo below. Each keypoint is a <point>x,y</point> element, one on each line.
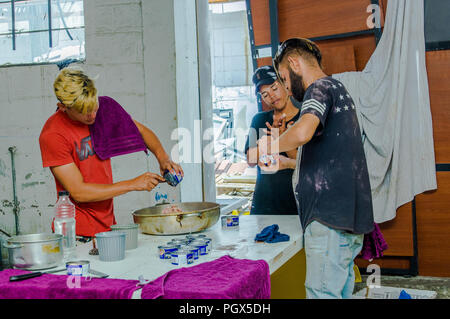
<point>144,260</point>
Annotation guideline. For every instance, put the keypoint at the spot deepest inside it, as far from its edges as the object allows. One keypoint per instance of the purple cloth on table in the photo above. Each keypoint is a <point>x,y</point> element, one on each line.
<point>50,286</point>
<point>114,132</point>
<point>223,278</point>
<point>373,244</point>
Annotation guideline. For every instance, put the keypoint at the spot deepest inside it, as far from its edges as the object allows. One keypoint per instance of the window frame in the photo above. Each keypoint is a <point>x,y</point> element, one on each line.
<point>50,29</point>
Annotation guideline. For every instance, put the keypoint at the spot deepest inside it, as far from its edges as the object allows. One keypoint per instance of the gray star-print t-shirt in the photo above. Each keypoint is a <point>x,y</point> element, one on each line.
<point>333,186</point>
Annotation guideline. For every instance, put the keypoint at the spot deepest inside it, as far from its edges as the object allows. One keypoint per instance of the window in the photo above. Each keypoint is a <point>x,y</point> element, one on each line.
<point>41,31</point>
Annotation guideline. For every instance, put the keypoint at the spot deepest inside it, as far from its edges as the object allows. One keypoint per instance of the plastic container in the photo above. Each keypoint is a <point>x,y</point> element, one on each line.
<point>131,241</point>
<point>111,245</point>
<point>64,224</point>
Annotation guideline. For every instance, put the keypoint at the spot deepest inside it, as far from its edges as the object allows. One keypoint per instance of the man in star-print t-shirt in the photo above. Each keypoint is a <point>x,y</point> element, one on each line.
<point>334,186</point>
<point>333,191</point>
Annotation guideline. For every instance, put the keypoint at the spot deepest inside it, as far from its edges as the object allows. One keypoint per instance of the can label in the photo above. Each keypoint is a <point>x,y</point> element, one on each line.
<point>165,252</point>
<point>230,221</point>
<point>78,268</point>
<point>202,248</point>
<point>194,250</point>
<point>172,179</point>
<point>208,242</point>
<point>182,258</point>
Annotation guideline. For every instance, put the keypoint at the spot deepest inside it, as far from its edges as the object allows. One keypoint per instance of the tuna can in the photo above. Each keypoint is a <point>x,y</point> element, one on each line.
<point>172,179</point>
<point>230,222</point>
<point>209,242</point>
<point>165,251</point>
<point>182,257</point>
<point>78,268</point>
<point>190,237</point>
<point>265,159</point>
<point>194,250</point>
<point>201,245</point>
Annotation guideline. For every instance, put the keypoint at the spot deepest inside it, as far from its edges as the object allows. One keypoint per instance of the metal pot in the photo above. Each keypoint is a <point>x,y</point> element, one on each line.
<point>196,216</point>
<point>35,251</point>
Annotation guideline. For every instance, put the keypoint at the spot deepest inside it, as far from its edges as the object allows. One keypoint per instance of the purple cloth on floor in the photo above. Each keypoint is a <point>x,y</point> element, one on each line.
<point>374,244</point>
<point>223,278</point>
<point>50,286</point>
<point>114,132</point>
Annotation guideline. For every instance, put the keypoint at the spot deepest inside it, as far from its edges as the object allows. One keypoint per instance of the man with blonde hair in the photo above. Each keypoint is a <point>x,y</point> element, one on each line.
<point>67,148</point>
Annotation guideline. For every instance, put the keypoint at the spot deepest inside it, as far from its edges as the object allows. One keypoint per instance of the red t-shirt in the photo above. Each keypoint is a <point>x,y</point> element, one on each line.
<point>64,141</point>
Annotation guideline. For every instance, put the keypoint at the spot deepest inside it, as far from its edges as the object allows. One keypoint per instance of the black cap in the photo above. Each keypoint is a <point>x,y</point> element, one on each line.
<point>63,193</point>
<point>263,76</point>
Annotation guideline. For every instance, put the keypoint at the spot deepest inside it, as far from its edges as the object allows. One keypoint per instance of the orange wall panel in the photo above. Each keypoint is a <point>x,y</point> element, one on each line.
<point>438,69</point>
<point>261,21</point>
<point>364,46</point>
<point>335,58</point>
<point>264,61</point>
<point>312,18</point>
<point>433,228</point>
<point>387,262</point>
<point>398,233</point>
<point>338,58</point>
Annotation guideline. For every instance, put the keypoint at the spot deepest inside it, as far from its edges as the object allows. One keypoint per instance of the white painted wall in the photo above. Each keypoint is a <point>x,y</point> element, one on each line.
<point>130,45</point>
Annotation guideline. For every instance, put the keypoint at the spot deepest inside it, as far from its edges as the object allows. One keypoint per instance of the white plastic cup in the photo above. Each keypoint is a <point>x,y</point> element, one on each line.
<point>132,234</point>
<point>111,245</point>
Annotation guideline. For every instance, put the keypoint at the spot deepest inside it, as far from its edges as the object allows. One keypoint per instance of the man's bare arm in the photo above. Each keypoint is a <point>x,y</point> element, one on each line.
<point>297,135</point>
<point>154,145</point>
<point>71,179</point>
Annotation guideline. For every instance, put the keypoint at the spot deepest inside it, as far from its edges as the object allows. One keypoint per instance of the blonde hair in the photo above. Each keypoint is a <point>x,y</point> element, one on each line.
<point>76,90</point>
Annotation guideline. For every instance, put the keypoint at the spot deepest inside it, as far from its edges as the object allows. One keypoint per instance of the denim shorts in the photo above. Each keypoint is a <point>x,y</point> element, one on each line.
<point>329,261</point>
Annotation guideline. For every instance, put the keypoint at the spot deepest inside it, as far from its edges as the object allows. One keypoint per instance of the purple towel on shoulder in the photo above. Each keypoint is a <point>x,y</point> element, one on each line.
<point>50,286</point>
<point>223,278</point>
<point>114,132</point>
<point>373,244</point>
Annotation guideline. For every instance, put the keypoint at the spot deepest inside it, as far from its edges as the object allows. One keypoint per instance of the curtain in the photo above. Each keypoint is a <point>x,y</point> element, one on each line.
<point>393,106</point>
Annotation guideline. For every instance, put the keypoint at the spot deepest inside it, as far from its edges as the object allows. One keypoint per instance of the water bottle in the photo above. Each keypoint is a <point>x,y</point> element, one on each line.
<point>65,224</point>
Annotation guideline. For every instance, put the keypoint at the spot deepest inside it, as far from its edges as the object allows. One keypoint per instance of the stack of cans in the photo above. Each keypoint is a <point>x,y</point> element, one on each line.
<point>185,251</point>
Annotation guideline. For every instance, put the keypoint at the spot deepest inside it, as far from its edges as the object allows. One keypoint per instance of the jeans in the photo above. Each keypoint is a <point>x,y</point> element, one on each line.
<point>329,261</point>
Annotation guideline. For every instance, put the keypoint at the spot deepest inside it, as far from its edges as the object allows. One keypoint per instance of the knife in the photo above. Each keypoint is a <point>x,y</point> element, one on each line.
<point>34,274</point>
<point>98,273</point>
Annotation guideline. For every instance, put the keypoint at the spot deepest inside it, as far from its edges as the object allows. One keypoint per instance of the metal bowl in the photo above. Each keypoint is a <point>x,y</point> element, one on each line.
<point>196,216</point>
<point>35,251</point>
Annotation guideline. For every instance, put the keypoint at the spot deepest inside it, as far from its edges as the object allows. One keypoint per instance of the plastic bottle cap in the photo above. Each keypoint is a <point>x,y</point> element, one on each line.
<point>63,193</point>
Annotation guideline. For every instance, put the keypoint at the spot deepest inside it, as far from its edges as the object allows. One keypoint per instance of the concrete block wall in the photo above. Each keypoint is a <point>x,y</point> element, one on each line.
<point>232,59</point>
<point>133,54</point>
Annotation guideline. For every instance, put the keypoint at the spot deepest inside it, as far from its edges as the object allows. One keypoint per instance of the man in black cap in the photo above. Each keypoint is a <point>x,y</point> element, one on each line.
<point>273,190</point>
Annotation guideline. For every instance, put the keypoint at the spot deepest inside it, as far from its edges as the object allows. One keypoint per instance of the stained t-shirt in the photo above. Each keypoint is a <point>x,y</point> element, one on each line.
<point>273,194</point>
<point>64,141</point>
<point>334,187</point>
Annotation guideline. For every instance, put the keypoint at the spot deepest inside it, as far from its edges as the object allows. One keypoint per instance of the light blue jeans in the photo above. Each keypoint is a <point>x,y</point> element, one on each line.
<point>329,261</point>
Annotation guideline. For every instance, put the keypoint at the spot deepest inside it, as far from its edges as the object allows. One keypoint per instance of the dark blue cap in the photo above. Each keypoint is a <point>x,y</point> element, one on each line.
<point>263,76</point>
